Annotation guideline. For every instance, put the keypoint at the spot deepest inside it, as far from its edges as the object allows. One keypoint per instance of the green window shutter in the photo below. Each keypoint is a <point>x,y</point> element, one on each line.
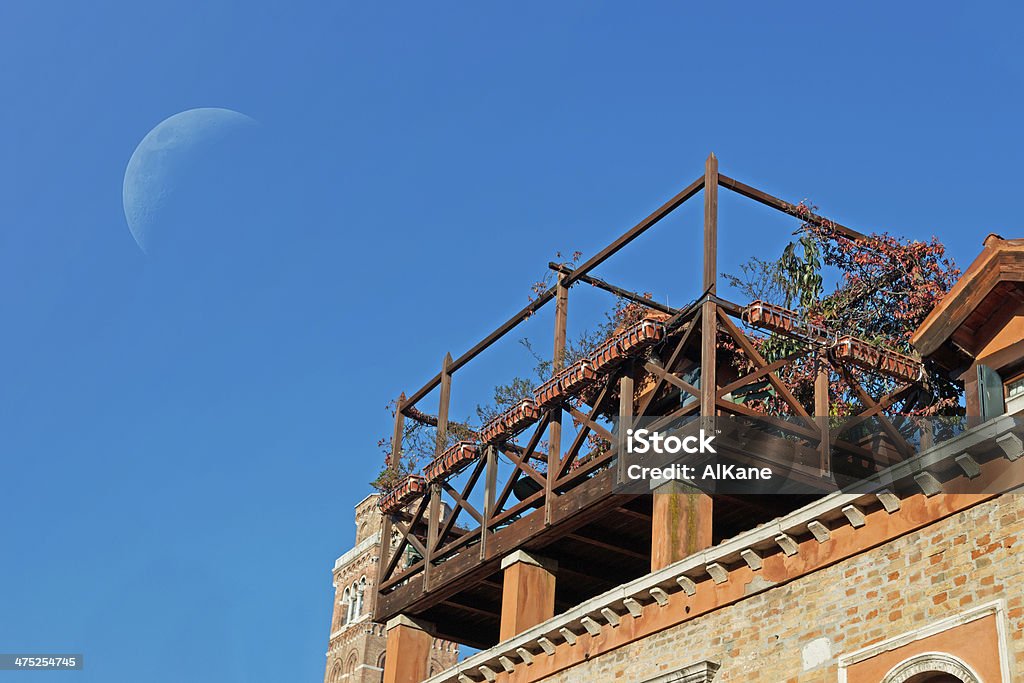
<point>990,393</point>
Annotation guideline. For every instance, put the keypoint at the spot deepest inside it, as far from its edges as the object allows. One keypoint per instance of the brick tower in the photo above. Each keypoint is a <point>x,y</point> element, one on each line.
<point>355,652</point>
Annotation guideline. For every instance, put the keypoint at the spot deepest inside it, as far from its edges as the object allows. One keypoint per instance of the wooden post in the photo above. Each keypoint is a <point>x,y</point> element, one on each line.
<point>527,594</point>
<point>396,456</point>
<point>396,435</point>
<point>625,419</point>
<point>444,404</point>
<point>555,425</point>
<point>490,496</point>
<point>711,223</point>
<point>682,514</point>
<point>434,511</point>
<point>408,651</point>
<point>821,414</point>
<point>681,523</point>
<point>709,314</point>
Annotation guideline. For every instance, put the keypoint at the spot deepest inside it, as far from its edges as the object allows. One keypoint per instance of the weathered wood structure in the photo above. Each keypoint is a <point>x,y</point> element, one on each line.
<point>547,521</point>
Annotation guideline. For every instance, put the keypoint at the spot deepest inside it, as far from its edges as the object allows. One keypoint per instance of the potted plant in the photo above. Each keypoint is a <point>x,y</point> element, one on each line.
<point>451,460</point>
<point>408,489</point>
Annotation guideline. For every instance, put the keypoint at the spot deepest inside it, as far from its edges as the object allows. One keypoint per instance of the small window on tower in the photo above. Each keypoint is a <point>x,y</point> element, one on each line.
<point>346,609</point>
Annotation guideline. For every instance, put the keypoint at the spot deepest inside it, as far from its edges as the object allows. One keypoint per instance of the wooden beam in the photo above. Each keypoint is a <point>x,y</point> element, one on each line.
<point>441,442</point>
<point>396,454</point>
<point>758,360</point>
<point>625,418</point>
<point>634,514</point>
<point>758,374</point>
<point>406,538</point>
<point>573,510</point>
<point>709,311</point>
<point>617,291</point>
<point>821,414</point>
<point>610,547</point>
<point>711,223</point>
<point>785,207</point>
<point>555,423</point>
<point>588,265</point>
<point>677,353</point>
<point>898,442</point>
<point>675,381</point>
<point>472,610</point>
<point>397,434</point>
<point>586,426</point>
<point>490,495</point>
<point>461,503</point>
<point>444,402</point>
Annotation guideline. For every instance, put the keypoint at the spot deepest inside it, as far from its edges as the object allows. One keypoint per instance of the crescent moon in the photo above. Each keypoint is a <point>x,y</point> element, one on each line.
<point>148,179</point>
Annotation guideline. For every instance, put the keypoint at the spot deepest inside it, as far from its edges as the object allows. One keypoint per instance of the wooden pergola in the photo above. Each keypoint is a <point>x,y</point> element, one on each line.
<point>558,500</point>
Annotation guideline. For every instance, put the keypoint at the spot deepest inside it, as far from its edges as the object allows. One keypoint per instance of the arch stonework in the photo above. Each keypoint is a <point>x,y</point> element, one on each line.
<point>932,662</point>
<point>352,662</point>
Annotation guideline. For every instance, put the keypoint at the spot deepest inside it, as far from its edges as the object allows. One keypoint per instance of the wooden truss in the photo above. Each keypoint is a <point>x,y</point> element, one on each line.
<point>552,480</point>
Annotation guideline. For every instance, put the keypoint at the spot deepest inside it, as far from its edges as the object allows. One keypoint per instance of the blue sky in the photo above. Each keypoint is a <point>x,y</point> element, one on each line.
<point>183,434</point>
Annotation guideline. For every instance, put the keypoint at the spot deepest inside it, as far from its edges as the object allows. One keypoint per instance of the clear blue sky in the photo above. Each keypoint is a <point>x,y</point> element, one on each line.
<point>183,435</point>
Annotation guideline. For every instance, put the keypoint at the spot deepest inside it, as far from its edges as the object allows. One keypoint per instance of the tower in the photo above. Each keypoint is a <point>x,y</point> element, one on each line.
<point>355,651</point>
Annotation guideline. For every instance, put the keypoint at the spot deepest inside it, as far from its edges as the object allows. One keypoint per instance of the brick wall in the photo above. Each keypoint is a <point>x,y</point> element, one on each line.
<point>795,633</point>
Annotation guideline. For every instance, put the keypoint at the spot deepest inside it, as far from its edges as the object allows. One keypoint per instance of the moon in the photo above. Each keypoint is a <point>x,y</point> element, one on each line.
<point>149,177</point>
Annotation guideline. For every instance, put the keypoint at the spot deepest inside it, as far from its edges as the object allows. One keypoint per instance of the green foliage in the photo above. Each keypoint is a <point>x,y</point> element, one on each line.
<point>885,289</point>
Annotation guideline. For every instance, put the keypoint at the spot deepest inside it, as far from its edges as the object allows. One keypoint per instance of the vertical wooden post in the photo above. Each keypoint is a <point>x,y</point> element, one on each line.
<point>821,414</point>
<point>434,511</point>
<point>625,418</point>
<point>682,514</point>
<point>555,425</point>
<point>709,312</point>
<point>490,496</point>
<point>711,223</point>
<point>396,435</point>
<point>394,465</point>
<point>444,404</point>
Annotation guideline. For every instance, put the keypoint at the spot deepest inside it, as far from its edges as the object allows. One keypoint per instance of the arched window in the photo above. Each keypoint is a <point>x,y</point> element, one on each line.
<point>336,673</point>
<point>360,593</point>
<point>353,662</point>
<point>933,667</point>
<point>352,603</point>
<point>346,606</point>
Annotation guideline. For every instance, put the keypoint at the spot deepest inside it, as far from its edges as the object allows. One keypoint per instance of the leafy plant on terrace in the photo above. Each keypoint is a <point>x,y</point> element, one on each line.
<point>886,287</point>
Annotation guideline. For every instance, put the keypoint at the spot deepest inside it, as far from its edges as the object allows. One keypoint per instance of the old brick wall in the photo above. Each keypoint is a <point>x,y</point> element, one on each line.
<point>795,633</point>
